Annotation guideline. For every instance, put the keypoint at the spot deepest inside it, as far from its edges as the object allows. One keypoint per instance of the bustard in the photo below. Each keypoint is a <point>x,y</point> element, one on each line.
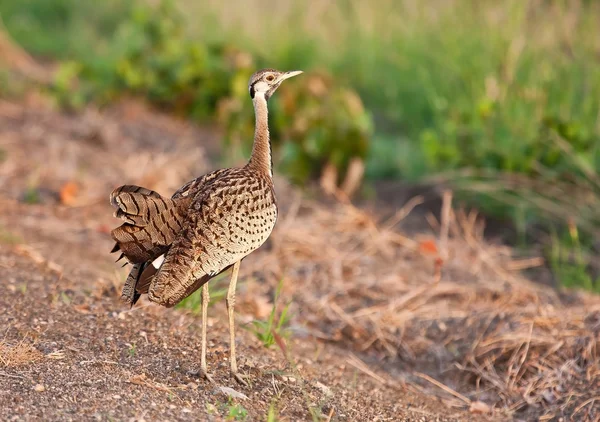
<point>177,244</point>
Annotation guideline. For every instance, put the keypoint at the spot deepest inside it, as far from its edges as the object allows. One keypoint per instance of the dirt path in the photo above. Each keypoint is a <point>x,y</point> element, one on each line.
<point>71,351</point>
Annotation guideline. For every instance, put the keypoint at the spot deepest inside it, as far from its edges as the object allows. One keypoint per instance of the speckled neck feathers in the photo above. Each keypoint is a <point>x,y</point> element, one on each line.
<point>261,159</point>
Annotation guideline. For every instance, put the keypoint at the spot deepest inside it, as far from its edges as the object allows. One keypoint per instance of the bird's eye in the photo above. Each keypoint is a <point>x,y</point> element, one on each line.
<point>270,78</point>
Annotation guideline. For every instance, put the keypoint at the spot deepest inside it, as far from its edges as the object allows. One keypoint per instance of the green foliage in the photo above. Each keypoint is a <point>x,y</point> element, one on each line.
<point>471,86</point>
<point>232,411</point>
<point>150,55</point>
<point>63,29</point>
<point>266,331</point>
<point>66,90</point>
<point>570,260</point>
<point>236,412</point>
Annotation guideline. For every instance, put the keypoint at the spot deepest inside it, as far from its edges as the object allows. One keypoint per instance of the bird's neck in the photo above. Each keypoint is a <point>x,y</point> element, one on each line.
<point>261,159</point>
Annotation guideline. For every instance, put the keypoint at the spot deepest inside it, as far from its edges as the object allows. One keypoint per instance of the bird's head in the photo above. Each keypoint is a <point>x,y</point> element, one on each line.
<point>266,81</point>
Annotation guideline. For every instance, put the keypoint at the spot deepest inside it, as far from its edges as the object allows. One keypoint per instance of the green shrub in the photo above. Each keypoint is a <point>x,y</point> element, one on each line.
<point>314,121</point>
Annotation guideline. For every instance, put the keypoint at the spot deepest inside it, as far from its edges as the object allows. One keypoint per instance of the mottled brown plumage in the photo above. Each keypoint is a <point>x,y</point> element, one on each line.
<point>177,244</point>
<point>227,219</point>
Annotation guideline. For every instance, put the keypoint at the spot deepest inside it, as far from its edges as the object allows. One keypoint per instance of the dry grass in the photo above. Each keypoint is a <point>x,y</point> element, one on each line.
<point>451,303</point>
<point>18,354</point>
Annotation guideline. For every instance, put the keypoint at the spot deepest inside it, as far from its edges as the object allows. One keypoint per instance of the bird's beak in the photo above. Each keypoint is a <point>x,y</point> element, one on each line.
<point>288,75</point>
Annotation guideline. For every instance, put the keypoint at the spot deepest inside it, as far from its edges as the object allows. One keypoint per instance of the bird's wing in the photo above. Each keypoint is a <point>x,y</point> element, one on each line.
<point>151,222</point>
<point>227,219</point>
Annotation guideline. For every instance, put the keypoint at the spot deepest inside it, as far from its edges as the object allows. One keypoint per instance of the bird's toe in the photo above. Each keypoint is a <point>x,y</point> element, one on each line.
<point>240,378</point>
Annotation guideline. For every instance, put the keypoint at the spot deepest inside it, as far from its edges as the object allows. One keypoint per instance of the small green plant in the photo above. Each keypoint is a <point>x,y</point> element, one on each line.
<point>132,350</point>
<point>232,411</point>
<point>266,331</point>
<point>236,412</point>
<point>32,195</point>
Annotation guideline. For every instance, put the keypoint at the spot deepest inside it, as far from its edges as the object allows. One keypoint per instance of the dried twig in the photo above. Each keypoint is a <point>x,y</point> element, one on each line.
<point>443,387</point>
<point>361,366</point>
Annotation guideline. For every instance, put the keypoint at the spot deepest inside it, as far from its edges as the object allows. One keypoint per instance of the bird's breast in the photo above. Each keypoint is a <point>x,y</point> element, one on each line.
<point>239,223</point>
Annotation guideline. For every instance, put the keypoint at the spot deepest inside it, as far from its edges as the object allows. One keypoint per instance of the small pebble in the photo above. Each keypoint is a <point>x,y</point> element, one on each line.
<point>39,388</point>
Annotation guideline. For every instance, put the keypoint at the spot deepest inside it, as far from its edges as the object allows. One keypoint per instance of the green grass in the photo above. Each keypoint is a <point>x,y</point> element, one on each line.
<point>275,325</point>
<point>452,85</point>
<point>502,98</point>
<point>230,410</point>
<point>570,260</point>
<point>63,29</point>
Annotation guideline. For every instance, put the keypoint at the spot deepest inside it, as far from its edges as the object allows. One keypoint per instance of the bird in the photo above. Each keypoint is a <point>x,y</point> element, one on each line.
<point>176,245</point>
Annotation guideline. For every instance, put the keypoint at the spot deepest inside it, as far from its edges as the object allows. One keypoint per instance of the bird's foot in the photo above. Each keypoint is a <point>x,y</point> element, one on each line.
<point>204,373</point>
<point>240,378</point>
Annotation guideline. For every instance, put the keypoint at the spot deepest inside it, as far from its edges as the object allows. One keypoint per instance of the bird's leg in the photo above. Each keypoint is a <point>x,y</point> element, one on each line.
<point>205,300</point>
<point>230,306</point>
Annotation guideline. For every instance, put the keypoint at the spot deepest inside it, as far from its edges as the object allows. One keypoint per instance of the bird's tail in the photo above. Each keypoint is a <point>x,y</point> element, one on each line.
<point>151,223</point>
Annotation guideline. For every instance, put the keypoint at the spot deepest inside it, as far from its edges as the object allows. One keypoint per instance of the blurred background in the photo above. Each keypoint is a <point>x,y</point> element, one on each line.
<point>498,101</point>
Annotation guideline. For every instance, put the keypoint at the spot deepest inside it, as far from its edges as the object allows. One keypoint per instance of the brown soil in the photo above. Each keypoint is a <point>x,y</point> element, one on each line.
<point>436,326</point>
